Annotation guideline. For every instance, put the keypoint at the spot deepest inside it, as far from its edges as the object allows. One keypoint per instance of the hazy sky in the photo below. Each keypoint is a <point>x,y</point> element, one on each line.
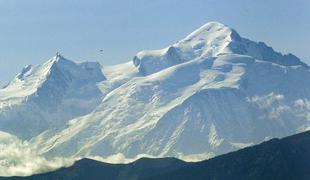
<point>31,31</point>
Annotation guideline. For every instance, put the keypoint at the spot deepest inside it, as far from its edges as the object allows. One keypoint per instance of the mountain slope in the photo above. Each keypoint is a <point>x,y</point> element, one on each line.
<point>48,96</point>
<point>208,94</point>
<point>287,158</point>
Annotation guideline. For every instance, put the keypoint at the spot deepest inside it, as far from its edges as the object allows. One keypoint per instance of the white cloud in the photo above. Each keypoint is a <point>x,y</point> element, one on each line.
<point>278,107</point>
<point>119,158</point>
<point>267,100</point>
<point>17,158</point>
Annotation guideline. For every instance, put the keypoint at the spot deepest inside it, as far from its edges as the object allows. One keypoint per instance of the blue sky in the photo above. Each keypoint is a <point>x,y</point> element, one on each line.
<point>31,31</point>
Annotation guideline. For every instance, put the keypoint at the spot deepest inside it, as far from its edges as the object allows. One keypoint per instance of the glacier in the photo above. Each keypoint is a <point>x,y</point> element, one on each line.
<point>208,94</point>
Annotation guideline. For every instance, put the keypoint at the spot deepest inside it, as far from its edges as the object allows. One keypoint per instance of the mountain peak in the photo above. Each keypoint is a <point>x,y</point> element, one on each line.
<point>58,56</point>
<point>55,69</point>
<point>214,29</point>
<point>59,88</point>
<point>83,70</point>
<point>60,59</point>
<point>210,40</point>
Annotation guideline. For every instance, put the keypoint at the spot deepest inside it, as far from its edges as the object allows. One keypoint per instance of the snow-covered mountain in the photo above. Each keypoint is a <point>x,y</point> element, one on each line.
<point>208,94</point>
<point>47,96</point>
<point>212,39</point>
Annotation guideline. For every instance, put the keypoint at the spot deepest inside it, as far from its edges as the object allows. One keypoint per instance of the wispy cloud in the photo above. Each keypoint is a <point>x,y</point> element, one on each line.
<point>17,158</point>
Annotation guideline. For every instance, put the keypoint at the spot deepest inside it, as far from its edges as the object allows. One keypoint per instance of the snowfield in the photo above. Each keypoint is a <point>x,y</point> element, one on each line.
<point>210,93</point>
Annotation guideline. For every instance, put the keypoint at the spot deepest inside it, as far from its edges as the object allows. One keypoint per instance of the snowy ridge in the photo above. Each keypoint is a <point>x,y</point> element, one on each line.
<point>32,78</point>
<point>49,95</point>
<point>26,82</point>
<point>210,40</point>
